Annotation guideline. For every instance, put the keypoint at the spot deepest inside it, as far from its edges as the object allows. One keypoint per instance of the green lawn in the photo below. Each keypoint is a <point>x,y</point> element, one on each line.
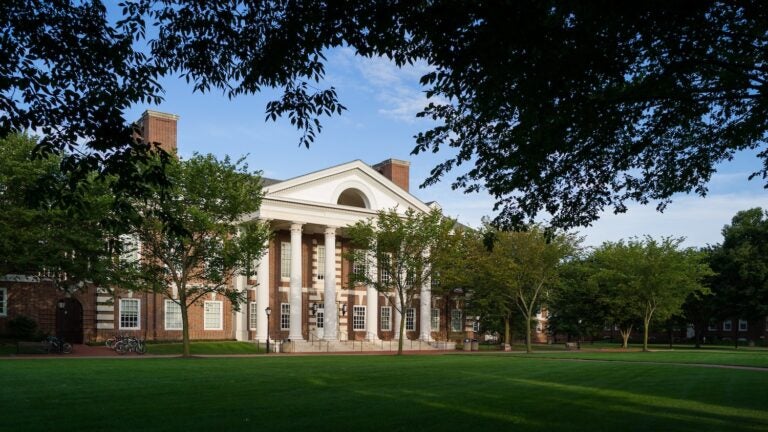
<point>207,348</point>
<point>741,357</point>
<point>418,392</point>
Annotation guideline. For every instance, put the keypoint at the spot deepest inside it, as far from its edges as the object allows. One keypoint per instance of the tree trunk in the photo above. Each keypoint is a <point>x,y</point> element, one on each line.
<point>625,336</point>
<point>646,323</point>
<point>507,331</point>
<point>735,327</point>
<point>402,330</point>
<point>184,329</point>
<point>528,347</point>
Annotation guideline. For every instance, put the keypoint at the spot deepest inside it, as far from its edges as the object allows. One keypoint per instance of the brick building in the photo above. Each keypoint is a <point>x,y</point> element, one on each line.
<point>302,278</point>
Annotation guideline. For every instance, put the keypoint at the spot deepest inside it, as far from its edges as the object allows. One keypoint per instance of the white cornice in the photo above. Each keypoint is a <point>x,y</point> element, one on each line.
<point>388,185</point>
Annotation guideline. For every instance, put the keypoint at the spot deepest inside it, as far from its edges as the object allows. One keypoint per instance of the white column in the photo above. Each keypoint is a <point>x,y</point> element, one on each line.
<point>262,296</point>
<point>398,307</point>
<point>331,311</point>
<point>294,332</point>
<point>425,309</point>
<point>240,324</point>
<point>372,323</point>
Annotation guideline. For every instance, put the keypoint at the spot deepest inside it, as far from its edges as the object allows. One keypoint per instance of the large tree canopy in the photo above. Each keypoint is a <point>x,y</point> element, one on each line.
<point>570,108</point>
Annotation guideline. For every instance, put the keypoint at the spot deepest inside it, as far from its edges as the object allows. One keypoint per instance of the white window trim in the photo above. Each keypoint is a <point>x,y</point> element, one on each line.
<point>138,314</point>
<point>434,326</point>
<point>165,321</point>
<point>221,315</point>
<point>253,309</point>
<point>389,318</point>
<point>320,263</point>
<point>365,315</point>
<point>285,257</point>
<point>730,325</point>
<point>4,311</point>
<point>746,325</point>
<point>320,316</point>
<point>288,307</point>
<point>712,326</point>
<point>459,320</point>
<point>412,313</point>
<point>476,327</point>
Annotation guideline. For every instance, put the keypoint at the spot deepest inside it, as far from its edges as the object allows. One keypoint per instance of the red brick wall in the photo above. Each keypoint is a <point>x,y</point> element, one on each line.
<point>395,170</point>
<point>39,300</point>
<point>161,128</point>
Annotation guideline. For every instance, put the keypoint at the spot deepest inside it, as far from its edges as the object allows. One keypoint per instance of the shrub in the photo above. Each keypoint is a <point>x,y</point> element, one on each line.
<point>23,328</point>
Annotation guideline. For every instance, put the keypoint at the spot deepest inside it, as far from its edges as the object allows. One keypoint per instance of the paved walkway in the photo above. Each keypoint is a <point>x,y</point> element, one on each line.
<point>89,351</point>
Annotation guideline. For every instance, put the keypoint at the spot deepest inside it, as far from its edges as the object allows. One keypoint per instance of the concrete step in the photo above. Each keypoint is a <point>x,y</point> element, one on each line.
<point>357,346</point>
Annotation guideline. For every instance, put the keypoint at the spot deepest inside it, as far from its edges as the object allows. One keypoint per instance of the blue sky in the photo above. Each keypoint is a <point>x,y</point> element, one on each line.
<point>380,123</point>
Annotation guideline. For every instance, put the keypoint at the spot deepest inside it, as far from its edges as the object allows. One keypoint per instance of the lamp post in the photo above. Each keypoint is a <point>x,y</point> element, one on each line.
<point>268,310</point>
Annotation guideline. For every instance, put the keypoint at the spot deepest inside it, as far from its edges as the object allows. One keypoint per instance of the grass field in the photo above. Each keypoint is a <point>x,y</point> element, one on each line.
<point>207,348</point>
<point>720,357</point>
<point>418,392</point>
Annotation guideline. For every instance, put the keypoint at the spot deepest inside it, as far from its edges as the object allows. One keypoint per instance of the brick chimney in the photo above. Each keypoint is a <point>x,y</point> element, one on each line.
<point>160,128</point>
<point>395,170</point>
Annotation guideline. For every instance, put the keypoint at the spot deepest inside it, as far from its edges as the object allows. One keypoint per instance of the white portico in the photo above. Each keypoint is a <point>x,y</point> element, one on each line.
<point>303,277</point>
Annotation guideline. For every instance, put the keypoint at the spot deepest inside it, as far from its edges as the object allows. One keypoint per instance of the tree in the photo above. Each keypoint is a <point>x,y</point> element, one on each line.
<point>209,242</point>
<point>650,279</point>
<point>69,247</point>
<point>741,265</point>
<point>569,108</point>
<point>578,307</point>
<point>398,253</point>
<point>523,267</point>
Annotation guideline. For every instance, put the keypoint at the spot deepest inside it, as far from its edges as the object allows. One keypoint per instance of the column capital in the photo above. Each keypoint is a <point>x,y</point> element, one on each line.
<point>330,230</point>
<point>296,226</point>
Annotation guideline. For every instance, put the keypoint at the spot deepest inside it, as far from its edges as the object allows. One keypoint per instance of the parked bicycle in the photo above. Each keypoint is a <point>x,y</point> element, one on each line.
<point>55,344</point>
<point>130,344</point>
<point>110,343</point>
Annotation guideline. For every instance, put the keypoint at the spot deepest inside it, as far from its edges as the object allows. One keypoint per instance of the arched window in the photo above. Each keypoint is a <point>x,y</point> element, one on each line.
<point>353,198</point>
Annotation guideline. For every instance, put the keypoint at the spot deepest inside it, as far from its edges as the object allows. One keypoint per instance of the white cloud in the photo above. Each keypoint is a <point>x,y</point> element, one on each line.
<point>396,88</point>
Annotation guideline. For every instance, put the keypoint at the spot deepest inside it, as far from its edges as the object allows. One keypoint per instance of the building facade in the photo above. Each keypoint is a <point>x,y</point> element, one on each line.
<point>302,278</point>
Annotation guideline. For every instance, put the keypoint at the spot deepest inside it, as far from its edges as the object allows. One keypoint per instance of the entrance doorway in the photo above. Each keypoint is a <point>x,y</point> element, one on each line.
<point>69,320</point>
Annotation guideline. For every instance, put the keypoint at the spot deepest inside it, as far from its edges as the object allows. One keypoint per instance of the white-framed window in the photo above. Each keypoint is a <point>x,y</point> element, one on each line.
<point>285,316</point>
<point>727,325</point>
<point>358,317</point>
<point>456,320</point>
<point>476,327</point>
<point>712,326</point>
<point>285,260</point>
<point>359,265</point>
<point>3,301</point>
<point>320,262</point>
<point>172,315</point>
<point>253,311</point>
<point>130,311</point>
<point>131,248</point>
<point>384,276</point>
<point>409,278</point>
<point>410,319</point>
<point>743,325</point>
<point>212,315</point>
<point>434,321</point>
<point>386,318</point>
<point>320,315</point>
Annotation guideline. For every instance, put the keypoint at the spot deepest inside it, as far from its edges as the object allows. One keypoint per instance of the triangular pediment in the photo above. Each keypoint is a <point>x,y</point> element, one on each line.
<point>353,179</point>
